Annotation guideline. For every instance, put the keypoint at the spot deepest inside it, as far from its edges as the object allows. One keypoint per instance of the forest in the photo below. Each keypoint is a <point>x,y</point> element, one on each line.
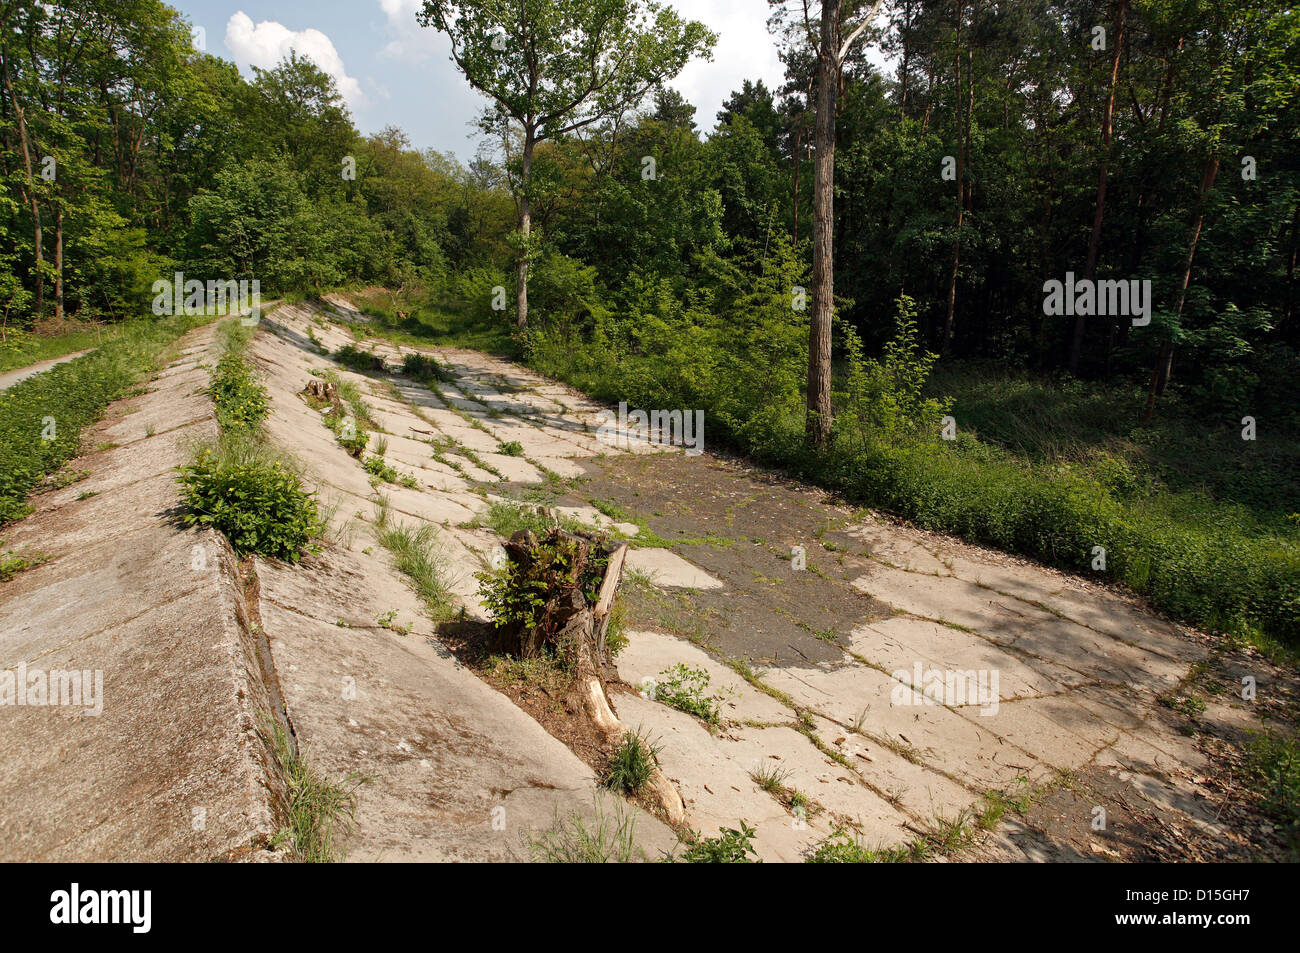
<point>1009,146</point>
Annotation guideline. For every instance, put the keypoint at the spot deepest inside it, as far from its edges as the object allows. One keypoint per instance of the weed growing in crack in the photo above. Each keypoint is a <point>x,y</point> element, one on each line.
<point>318,810</point>
<point>416,555</point>
<point>631,765</point>
<point>608,838</point>
<point>731,846</point>
<point>685,687</point>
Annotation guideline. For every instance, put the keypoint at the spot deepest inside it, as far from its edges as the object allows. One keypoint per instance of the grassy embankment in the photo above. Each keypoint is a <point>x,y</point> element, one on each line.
<point>41,418</point>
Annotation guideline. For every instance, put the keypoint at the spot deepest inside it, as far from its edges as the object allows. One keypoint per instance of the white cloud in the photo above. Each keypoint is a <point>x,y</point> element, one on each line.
<point>411,41</point>
<point>745,50</point>
<point>269,42</point>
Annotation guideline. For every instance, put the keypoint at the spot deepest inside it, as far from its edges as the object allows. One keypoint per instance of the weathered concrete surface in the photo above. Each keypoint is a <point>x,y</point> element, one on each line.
<point>666,568</point>
<point>855,729</point>
<point>172,768</point>
<point>833,720</point>
<point>450,769</point>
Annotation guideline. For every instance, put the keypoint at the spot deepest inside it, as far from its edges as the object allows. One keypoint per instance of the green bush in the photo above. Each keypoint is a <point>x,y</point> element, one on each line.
<point>352,357</point>
<point>685,687</point>
<point>257,501</point>
<point>1274,767</point>
<point>241,401</point>
<point>516,595</point>
<point>729,847</point>
<point>424,368</point>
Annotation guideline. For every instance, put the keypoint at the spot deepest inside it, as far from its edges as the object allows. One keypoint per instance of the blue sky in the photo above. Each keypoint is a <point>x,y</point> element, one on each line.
<point>391,71</point>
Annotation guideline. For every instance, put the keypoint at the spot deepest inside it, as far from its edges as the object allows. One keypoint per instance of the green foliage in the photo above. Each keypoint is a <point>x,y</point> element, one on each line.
<point>240,399</point>
<point>843,846</point>
<point>565,63</point>
<point>358,360</point>
<point>685,687</point>
<point>631,765</point>
<point>511,448</point>
<point>516,595</point>
<point>1274,767</point>
<point>255,499</point>
<point>884,399</point>
<point>731,846</point>
<point>424,368</point>
<point>11,564</point>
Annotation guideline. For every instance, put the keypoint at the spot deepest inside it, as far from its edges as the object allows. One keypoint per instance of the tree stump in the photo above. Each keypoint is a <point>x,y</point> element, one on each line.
<point>322,390</point>
<point>575,577</point>
<point>571,580</point>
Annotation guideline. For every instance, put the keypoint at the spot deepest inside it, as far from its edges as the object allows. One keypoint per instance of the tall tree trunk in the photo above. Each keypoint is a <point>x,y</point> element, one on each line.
<point>525,226</point>
<point>58,262</point>
<point>905,66</point>
<point>929,101</point>
<point>1165,360</point>
<point>961,196</point>
<point>1103,173</point>
<point>818,426</point>
<point>29,187</point>
<point>798,144</point>
<point>1288,313</point>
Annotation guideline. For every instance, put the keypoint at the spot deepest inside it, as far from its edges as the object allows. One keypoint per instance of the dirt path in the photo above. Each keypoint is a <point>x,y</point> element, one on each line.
<point>870,677</point>
<point>10,378</point>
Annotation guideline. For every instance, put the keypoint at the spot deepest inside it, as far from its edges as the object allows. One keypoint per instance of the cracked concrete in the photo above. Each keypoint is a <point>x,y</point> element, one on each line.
<point>845,713</point>
<point>887,687</point>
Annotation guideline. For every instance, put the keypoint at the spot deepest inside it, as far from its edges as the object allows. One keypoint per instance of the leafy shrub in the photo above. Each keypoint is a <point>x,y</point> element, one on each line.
<point>422,367</point>
<point>511,448</point>
<point>352,439</point>
<point>685,688</point>
<point>517,595</point>
<point>885,397</point>
<point>378,467</point>
<point>257,501</point>
<point>358,360</point>
<point>1275,768</point>
<point>476,289</point>
<point>730,847</point>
